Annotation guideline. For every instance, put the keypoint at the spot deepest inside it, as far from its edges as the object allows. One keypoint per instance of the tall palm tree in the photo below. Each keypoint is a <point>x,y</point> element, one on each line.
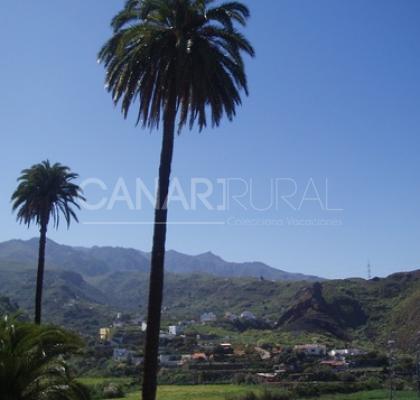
<point>45,191</point>
<point>182,61</point>
<point>32,363</point>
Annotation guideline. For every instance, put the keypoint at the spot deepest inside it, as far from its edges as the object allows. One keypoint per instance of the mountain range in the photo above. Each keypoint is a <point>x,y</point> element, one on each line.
<point>85,288</point>
<point>97,261</point>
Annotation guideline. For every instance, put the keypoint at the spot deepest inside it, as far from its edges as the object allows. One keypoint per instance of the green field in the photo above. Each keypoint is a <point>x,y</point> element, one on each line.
<point>372,395</point>
<point>197,392</point>
<point>219,392</point>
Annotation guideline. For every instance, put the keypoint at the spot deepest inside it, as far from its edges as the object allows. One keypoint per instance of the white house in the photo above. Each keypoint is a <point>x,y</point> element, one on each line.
<point>248,315</point>
<point>186,358</point>
<point>175,330</point>
<point>104,334</point>
<point>341,354</point>
<point>143,326</point>
<point>118,323</point>
<point>264,354</point>
<point>208,317</point>
<point>317,350</point>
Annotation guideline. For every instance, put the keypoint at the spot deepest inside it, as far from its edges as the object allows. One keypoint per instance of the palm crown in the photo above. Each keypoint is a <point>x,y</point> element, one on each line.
<point>46,191</point>
<point>179,48</point>
<point>32,363</point>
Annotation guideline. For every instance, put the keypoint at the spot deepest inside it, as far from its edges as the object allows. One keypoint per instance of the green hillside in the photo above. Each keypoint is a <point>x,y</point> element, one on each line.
<point>351,310</point>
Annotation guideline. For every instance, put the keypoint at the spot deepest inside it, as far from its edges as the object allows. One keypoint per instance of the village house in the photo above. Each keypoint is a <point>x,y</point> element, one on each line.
<point>118,322</point>
<point>175,330</point>
<point>280,368</point>
<point>248,315</point>
<point>185,358</point>
<point>341,354</point>
<point>164,336</point>
<point>335,364</point>
<point>222,351</point>
<point>264,377</point>
<point>199,357</point>
<point>104,335</point>
<point>264,354</point>
<point>207,347</point>
<point>227,348</point>
<point>208,317</point>
<point>239,352</point>
<point>316,350</point>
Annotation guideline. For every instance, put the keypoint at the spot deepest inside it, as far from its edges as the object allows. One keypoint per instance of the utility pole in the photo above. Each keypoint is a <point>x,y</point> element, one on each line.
<point>369,271</point>
<point>418,372</point>
<point>391,360</point>
<point>417,344</point>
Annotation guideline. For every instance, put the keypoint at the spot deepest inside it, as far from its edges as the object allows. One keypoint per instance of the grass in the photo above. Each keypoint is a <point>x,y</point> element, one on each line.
<point>220,392</point>
<point>92,381</point>
<point>197,392</point>
<point>372,395</point>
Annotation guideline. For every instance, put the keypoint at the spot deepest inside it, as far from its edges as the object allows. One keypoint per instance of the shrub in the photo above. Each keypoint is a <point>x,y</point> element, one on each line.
<point>399,384</point>
<point>112,391</point>
<point>266,395</point>
<point>372,383</point>
<point>33,362</point>
<point>244,379</point>
<point>250,396</point>
<point>322,373</point>
<point>276,395</point>
<point>307,390</point>
<point>346,377</point>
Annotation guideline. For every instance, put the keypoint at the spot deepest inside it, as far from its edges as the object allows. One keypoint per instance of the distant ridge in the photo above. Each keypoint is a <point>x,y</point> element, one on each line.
<point>97,261</point>
<point>86,287</point>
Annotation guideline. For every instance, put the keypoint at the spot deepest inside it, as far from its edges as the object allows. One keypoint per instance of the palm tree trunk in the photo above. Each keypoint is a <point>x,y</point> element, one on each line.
<point>151,350</point>
<point>40,274</point>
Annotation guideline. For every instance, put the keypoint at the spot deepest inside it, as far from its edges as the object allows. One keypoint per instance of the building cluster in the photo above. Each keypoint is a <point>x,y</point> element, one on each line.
<point>246,315</point>
<point>125,333</point>
<point>181,348</point>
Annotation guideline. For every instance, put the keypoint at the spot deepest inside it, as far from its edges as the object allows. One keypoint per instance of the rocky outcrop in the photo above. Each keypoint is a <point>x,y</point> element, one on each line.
<point>311,312</point>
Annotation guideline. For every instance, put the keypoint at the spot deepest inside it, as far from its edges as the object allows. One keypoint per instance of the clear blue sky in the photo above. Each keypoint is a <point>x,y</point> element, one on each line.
<point>335,95</point>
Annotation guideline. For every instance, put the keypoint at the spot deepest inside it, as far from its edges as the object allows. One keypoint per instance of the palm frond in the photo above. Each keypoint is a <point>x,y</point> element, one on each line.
<point>190,46</point>
<point>45,192</point>
<point>33,362</point>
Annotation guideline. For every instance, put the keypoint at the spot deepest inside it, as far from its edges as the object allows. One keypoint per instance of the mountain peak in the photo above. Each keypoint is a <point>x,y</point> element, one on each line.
<point>209,255</point>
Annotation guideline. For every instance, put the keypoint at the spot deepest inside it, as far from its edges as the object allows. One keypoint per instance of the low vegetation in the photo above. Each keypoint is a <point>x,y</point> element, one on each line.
<point>232,392</point>
<point>33,363</point>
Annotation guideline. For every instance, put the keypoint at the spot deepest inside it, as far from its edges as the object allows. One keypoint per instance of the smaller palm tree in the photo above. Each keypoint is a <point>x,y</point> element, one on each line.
<point>32,363</point>
<point>45,191</point>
